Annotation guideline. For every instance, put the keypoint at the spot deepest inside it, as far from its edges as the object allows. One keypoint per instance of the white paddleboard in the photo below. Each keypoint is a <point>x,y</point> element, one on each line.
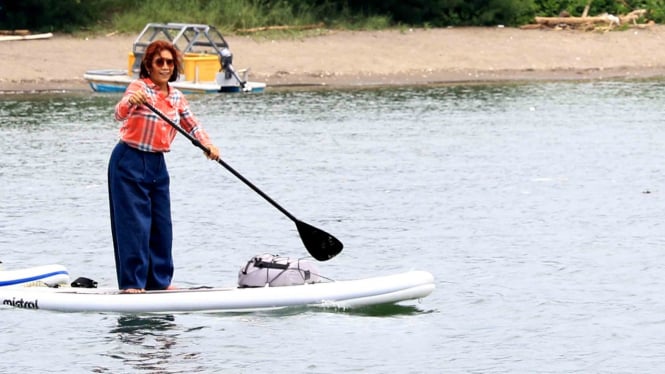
<point>388,289</point>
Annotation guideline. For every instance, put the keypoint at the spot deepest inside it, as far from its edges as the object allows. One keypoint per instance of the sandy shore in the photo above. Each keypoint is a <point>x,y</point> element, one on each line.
<point>347,58</point>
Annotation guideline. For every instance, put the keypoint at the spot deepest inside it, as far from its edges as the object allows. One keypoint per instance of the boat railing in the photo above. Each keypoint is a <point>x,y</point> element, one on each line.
<point>188,38</point>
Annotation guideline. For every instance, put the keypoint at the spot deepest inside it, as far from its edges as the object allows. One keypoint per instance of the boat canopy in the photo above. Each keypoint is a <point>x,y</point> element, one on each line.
<point>188,38</point>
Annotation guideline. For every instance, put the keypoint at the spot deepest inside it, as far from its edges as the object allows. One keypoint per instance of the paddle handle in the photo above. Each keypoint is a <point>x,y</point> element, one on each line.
<point>228,167</point>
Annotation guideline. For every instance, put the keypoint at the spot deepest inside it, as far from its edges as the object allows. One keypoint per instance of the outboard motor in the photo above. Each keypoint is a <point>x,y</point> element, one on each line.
<point>227,61</point>
<point>230,78</point>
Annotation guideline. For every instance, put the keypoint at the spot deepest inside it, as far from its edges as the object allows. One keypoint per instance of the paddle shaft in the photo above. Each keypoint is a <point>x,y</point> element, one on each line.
<point>228,167</point>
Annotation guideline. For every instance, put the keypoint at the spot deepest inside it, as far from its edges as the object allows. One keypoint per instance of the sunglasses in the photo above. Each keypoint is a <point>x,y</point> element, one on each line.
<point>159,61</point>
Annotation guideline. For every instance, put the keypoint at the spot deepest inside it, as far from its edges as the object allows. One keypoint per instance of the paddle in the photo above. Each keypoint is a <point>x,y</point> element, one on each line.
<point>321,245</point>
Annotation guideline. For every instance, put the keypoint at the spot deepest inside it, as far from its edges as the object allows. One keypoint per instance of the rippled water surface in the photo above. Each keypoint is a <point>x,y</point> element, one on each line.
<point>539,209</point>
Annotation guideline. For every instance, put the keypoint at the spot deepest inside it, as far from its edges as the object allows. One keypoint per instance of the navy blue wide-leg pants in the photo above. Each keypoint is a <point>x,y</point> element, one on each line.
<point>141,224</point>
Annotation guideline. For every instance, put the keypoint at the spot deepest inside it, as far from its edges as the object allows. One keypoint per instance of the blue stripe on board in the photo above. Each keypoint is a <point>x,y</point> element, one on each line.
<point>30,279</point>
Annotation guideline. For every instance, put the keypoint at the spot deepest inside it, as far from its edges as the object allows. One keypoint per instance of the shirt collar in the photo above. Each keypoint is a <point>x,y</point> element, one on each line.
<point>153,86</point>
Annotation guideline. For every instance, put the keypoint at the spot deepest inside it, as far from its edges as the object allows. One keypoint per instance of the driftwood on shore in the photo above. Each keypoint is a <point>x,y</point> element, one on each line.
<point>14,35</point>
<point>607,21</point>
<point>15,32</point>
<point>280,28</point>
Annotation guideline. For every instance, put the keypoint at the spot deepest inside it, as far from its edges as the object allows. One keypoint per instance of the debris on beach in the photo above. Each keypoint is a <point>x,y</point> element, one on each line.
<point>603,22</point>
<point>12,35</point>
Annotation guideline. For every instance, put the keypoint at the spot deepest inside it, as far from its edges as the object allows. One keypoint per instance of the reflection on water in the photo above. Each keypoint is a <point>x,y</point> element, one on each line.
<point>386,310</point>
<point>137,325</point>
<point>147,343</point>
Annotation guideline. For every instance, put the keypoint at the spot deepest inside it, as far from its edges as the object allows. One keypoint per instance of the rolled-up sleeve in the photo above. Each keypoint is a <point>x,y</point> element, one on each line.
<point>123,108</point>
<point>190,123</point>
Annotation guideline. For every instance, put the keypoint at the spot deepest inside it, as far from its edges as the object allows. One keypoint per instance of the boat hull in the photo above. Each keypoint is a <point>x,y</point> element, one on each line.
<point>114,81</point>
<point>388,289</point>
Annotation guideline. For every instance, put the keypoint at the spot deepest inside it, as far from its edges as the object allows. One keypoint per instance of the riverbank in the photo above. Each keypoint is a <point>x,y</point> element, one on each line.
<point>366,58</point>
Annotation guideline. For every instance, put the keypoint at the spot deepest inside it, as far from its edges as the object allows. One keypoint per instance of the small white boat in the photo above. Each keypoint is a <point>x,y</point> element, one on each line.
<point>48,275</point>
<point>347,294</point>
<point>207,62</point>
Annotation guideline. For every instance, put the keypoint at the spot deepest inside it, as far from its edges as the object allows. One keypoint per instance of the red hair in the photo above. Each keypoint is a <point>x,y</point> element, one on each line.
<point>154,49</point>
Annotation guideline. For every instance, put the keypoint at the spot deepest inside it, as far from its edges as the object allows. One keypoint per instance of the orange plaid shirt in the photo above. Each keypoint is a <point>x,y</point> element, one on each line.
<point>144,130</point>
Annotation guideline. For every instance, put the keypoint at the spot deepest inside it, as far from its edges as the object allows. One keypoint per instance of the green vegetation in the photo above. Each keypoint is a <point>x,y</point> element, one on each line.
<point>227,15</point>
<point>236,15</point>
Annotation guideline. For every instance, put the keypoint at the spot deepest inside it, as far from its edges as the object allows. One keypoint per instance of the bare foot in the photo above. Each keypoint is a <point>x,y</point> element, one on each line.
<point>133,290</point>
<point>171,287</point>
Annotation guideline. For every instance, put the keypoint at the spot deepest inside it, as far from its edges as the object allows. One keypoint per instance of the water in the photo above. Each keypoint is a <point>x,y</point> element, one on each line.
<point>537,207</point>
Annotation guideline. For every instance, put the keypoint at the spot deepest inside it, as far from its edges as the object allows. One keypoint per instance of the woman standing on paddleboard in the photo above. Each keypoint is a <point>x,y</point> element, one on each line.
<point>138,180</point>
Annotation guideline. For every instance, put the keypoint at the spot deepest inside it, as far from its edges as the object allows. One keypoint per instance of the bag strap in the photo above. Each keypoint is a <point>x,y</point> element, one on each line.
<point>259,263</point>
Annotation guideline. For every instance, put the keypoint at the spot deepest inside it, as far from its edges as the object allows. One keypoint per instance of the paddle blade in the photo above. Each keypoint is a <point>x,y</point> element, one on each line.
<point>321,245</point>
